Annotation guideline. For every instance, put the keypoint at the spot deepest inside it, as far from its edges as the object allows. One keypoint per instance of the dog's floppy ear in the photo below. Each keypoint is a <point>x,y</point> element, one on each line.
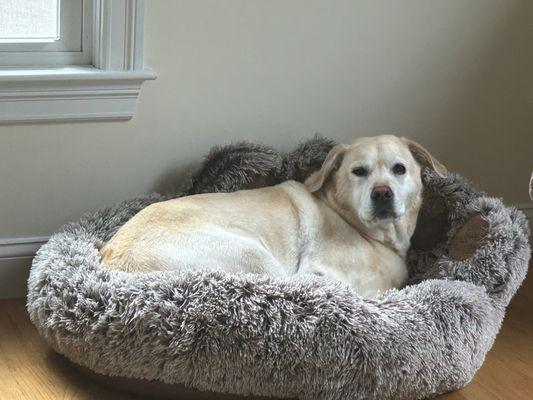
<point>333,159</point>
<point>424,157</point>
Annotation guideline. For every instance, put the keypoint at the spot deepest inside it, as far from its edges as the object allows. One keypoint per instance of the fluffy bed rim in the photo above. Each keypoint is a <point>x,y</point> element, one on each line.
<point>305,337</point>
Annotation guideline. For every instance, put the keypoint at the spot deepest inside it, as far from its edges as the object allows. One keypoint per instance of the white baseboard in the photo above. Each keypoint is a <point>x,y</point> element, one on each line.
<point>14,274</point>
<point>21,247</point>
<point>16,256</point>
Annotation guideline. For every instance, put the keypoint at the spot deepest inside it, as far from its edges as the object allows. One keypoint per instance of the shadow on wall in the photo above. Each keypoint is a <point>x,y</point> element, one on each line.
<point>490,120</point>
<point>479,116</point>
<point>173,179</point>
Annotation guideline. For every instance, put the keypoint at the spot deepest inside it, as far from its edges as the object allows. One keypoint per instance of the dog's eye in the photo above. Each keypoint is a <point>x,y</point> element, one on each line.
<point>360,171</point>
<point>398,169</point>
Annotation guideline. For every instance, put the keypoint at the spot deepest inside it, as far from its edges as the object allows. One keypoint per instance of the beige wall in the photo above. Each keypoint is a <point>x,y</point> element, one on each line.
<point>455,75</point>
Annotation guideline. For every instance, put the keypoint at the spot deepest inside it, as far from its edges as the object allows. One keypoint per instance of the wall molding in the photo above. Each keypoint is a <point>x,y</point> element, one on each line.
<point>21,247</point>
<point>16,256</point>
<point>69,93</point>
<point>107,88</point>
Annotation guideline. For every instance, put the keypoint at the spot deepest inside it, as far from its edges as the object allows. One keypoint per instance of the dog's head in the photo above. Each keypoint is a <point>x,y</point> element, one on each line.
<point>375,179</point>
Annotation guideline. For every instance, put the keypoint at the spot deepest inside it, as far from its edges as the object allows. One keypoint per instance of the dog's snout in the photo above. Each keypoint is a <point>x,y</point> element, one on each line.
<point>382,202</point>
<point>381,193</point>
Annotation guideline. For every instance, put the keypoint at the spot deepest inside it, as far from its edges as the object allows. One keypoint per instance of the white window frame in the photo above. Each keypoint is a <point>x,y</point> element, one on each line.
<point>73,47</point>
<point>105,89</point>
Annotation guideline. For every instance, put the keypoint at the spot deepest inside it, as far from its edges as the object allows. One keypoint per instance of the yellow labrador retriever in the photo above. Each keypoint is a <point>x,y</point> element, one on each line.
<point>350,221</point>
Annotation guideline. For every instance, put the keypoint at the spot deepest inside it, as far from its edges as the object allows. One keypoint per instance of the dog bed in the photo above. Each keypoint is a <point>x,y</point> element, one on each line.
<point>210,334</point>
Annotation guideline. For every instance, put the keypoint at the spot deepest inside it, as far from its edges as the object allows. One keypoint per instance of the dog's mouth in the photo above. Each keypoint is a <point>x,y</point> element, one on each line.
<point>384,213</point>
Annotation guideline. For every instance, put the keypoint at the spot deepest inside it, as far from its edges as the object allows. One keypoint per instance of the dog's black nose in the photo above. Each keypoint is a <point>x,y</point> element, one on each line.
<point>381,194</point>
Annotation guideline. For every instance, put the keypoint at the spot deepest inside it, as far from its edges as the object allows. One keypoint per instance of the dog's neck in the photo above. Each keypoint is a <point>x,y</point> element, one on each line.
<point>394,234</point>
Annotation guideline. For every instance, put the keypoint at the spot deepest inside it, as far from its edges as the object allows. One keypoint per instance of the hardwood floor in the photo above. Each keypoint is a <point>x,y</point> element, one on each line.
<point>30,370</point>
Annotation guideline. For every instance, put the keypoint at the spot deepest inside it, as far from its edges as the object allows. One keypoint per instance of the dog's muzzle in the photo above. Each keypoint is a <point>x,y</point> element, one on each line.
<point>383,202</point>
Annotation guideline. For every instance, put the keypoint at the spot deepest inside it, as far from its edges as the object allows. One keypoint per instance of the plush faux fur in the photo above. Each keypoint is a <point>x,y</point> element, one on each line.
<point>305,337</point>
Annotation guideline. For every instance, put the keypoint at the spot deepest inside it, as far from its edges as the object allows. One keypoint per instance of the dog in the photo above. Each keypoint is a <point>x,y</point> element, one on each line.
<point>350,221</point>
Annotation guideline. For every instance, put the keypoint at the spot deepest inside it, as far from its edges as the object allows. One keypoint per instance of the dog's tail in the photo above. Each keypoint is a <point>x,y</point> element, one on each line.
<point>122,260</point>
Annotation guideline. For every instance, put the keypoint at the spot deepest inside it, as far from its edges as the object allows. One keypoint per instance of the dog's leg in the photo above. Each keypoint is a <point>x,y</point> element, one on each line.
<point>225,251</point>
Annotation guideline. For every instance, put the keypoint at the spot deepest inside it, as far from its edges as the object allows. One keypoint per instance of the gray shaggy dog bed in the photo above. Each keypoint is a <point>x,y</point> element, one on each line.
<point>306,337</point>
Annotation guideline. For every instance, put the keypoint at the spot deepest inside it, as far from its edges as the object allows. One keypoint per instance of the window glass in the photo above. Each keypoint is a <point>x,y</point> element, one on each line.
<point>29,21</point>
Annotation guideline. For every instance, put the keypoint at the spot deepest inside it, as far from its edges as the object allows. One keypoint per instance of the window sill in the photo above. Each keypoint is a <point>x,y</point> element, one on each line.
<point>69,93</point>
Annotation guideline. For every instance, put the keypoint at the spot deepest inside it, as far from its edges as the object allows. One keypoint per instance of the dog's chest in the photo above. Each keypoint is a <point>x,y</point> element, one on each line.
<point>375,276</point>
<point>368,270</point>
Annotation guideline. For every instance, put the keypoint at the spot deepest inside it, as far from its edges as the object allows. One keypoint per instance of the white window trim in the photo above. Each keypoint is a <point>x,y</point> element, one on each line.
<point>108,89</point>
<point>67,50</point>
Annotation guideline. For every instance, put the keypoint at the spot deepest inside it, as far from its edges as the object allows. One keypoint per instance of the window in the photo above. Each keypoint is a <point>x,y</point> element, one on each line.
<point>31,21</point>
<point>45,32</point>
<point>70,59</point>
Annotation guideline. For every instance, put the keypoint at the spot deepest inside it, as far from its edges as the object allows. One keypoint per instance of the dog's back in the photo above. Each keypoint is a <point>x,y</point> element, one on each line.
<point>232,231</point>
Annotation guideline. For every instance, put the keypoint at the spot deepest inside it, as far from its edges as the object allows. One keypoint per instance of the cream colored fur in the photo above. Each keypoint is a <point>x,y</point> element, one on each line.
<point>325,226</point>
